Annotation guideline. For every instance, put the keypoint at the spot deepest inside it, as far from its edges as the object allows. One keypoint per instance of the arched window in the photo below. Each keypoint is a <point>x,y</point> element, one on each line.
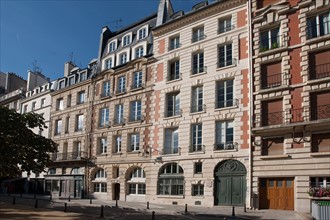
<point>136,183</point>
<point>170,180</point>
<point>100,181</point>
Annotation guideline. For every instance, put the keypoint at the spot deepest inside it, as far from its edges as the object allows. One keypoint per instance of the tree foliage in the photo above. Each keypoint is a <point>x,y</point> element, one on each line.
<point>20,148</point>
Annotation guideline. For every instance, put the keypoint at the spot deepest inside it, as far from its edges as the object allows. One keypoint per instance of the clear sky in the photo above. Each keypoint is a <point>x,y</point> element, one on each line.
<point>50,31</point>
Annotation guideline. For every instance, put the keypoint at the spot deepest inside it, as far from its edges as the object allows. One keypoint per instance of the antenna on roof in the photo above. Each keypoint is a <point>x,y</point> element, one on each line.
<point>117,23</point>
<point>35,66</point>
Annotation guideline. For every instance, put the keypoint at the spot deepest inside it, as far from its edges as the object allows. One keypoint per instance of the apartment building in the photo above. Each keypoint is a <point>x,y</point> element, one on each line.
<point>291,102</point>
<point>200,140</point>
<point>70,128</point>
<point>121,112</point>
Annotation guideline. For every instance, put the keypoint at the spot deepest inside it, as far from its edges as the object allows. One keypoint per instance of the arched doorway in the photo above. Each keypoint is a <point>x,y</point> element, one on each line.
<point>230,183</point>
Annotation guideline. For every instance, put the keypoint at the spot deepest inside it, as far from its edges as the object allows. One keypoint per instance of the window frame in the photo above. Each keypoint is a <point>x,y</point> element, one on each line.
<point>136,110</point>
<point>173,104</point>
<point>225,90</point>
<point>134,142</point>
<point>224,135</point>
<point>197,99</point>
<point>174,70</point>
<point>196,137</point>
<point>171,140</point>
<point>225,59</point>
<point>198,62</point>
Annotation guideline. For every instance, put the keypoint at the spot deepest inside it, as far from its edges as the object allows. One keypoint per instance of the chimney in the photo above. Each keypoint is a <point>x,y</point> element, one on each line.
<point>68,66</point>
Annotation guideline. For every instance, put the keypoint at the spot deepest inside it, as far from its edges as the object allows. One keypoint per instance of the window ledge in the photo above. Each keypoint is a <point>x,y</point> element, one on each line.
<point>196,152</point>
<point>198,74</point>
<point>172,117</point>
<point>271,51</point>
<point>196,113</point>
<point>274,89</point>
<point>171,196</point>
<point>173,80</point>
<point>137,88</point>
<point>225,67</point>
<point>283,156</point>
<point>102,155</point>
<point>225,108</point>
<point>319,154</point>
<point>225,151</point>
<point>133,152</point>
<point>317,39</point>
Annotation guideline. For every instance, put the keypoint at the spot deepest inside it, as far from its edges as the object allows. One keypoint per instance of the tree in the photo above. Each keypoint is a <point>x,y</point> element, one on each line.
<point>20,148</point>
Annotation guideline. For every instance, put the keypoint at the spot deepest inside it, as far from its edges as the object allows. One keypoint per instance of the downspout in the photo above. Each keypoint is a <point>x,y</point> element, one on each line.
<point>249,14</point>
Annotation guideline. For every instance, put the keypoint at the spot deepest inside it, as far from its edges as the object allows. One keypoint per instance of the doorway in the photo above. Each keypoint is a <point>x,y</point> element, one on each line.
<point>116,192</point>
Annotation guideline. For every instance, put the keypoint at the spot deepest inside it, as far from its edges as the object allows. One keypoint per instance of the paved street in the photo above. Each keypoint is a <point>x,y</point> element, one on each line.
<point>24,208</point>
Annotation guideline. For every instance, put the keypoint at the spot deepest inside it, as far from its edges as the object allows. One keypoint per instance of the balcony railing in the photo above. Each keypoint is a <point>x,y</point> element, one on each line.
<point>225,29</point>
<point>226,146</point>
<point>320,71</point>
<point>320,112</point>
<point>296,115</point>
<point>198,108</point>
<point>104,95</point>
<point>274,118</point>
<point>119,121</point>
<point>121,91</point>
<point>270,43</point>
<point>173,113</point>
<point>76,155</point>
<point>227,103</point>
<point>137,86</point>
<point>198,38</point>
<point>174,46</point>
<point>174,76</point>
<point>197,148</point>
<point>271,81</point>
<point>172,150</point>
<point>199,70</point>
<point>104,124</point>
<point>318,30</point>
<point>227,62</point>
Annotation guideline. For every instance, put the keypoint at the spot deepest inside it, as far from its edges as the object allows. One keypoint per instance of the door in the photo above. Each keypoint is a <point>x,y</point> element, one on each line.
<point>77,188</point>
<point>116,191</point>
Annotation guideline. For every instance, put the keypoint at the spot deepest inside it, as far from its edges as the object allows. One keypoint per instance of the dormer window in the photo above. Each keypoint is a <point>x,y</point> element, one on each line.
<point>112,46</point>
<point>139,52</point>
<point>142,33</point>
<point>123,58</point>
<point>126,40</point>
<point>108,63</point>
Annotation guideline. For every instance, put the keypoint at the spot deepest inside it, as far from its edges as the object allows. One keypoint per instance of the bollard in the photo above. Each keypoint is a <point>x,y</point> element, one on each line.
<point>116,203</point>
<point>14,200</point>
<point>233,211</point>
<point>147,205</point>
<point>90,201</point>
<point>69,198</point>
<point>244,207</point>
<point>186,209</point>
<point>153,215</point>
<point>36,204</point>
<point>65,206</point>
<point>101,214</point>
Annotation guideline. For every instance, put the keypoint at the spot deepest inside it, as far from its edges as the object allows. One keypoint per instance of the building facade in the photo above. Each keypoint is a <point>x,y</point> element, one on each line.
<point>291,102</point>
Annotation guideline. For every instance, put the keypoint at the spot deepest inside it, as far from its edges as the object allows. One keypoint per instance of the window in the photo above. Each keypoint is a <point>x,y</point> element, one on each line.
<point>320,105</point>
<point>137,188</point>
<point>225,93</point>
<point>117,144</point>
<point>104,117</point>
<point>319,64</point>
<point>269,39</point>
<point>76,151</point>
<point>43,102</point>
<point>321,142</point>
<point>271,75</point>
<point>59,104</point>
<point>136,183</point>
<point>83,76</point>
<point>138,173</point>
<point>139,52</point>
<point>101,174</point>
<point>99,181</point>
<point>121,84</point>
<point>33,107</point>
<point>171,145</point>
<point>126,40</point>
<point>137,80</point>
<point>79,122</point>
<point>100,187</point>
<point>225,25</point>
<point>51,171</point>
<point>196,138</point>
<point>58,127</point>
<point>272,112</point>
<point>25,108</point>
<point>62,84</point>
<point>103,145</point>
<point>81,97</point>
<point>272,146</point>
<point>224,135</point>
<point>119,115</point>
<point>68,102</point>
<point>198,167</point>
<point>112,46</point>
<point>122,58</point>
<point>174,71</point>
<point>136,111</point>
<point>142,33</point>
<point>67,124</point>
<point>198,34</point>
<point>318,25</point>
<point>225,55</point>
<point>71,80</point>
<point>171,180</point>
<point>197,190</point>
<point>106,89</point>
<point>197,99</point>
<point>198,63</point>
<point>134,140</point>
<point>108,63</point>
<point>319,182</point>
<point>173,104</point>
<point>174,42</point>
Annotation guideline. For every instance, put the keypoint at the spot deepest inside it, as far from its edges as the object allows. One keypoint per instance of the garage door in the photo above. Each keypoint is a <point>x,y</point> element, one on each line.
<point>276,193</point>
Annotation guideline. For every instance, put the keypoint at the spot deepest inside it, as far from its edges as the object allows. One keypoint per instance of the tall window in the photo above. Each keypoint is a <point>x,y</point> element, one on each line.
<point>100,181</point>
<point>123,58</point>
<point>103,145</point>
<point>109,63</point>
<point>196,138</point>
<point>137,80</point>
<point>171,141</point>
<point>198,34</point>
<point>80,122</point>
<point>139,52</point>
<point>112,46</point>
<point>136,182</point>
<point>68,100</point>
<point>83,76</point>
<point>224,135</point>
<point>197,189</point>
<point>134,140</point>
<point>173,104</point>
<point>225,55</point>
<point>171,180</point>
<point>59,104</point>
<point>106,86</point>
<point>225,25</point>
<point>318,25</point>
<point>136,111</point>
<point>117,144</point>
<point>81,97</point>
<point>197,99</point>
<point>126,40</point>
<point>174,42</point>
<point>269,39</point>
<point>58,127</point>
<point>174,71</point>
<point>142,33</point>
<point>119,115</point>
<point>121,84</point>
<point>198,63</point>
<point>225,93</point>
<point>104,117</point>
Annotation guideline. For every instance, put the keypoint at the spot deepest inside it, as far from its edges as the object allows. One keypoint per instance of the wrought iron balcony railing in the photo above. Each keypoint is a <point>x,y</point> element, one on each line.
<point>226,29</point>
<point>227,103</point>
<point>320,112</point>
<point>198,108</point>
<point>174,76</point>
<point>172,150</point>
<point>320,71</point>
<point>119,121</point>
<point>226,146</point>
<point>172,113</point>
<point>196,148</point>
<point>199,70</point>
<point>271,81</point>
<point>137,86</point>
<point>174,46</point>
<point>198,38</point>
<point>104,95</point>
<point>226,62</point>
<point>68,156</point>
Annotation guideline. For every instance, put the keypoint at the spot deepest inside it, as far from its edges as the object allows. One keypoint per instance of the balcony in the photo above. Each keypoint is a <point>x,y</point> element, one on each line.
<point>174,46</point>
<point>228,62</point>
<point>198,38</point>
<point>270,43</point>
<point>119,121</point>
<point>320,112</point>
<point>226,146</point>
<point>271,81</point>
<point>136,86</point>
<point>197,148</point>
<point>174,76</point>
<point>197,70</point>
<point>105,95</point>
<point>120,91</point>
<point>198,108</point>
<point>226,29</point>
<point>318,30</point>
<point>227,103</point>
<point>320,71</point>
<point>172,150</point>
<point>69,156</point>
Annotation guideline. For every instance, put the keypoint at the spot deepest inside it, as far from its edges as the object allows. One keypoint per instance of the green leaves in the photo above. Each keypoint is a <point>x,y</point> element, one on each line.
<point>20,148</point>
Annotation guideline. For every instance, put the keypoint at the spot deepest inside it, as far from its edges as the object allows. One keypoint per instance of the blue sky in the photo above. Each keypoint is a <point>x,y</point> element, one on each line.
<point>48,31</point>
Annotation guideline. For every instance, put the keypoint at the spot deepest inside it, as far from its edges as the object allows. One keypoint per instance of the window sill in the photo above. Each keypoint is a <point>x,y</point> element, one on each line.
<point>196,113</point>
<point>171,196</point>
<point>118,93</point>
<point>225,108</point>
<point>317,39</point>
<point>271,157</point>
<point>173,80</point>
<point>319,154</point>
<point>225,67</point>
<point>117,153</point>
<point>225,151</point>
<point>198,74</point>
<point>196,152</point>
<point>273,89</point>
<point>172,117</point>
<point>102,155</point>
<point>137,88</point>
<point>134,152</point>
